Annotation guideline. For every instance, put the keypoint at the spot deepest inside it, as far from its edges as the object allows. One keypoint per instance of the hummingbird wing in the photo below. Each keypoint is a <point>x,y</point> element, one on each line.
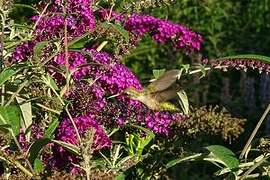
<point>164,81</point>
<point>164,95</point>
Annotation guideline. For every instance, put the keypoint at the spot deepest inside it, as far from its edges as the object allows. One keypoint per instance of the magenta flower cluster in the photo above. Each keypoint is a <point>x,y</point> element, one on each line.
<point>99,75</point>
<point>66,131</point>
<point>162,31</point>
<point>51,25</point>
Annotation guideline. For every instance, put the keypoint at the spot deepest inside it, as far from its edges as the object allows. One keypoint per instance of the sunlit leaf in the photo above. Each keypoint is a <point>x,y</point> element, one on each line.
<point>50,81</point>
<point>26,110</point>
<point>70,147</point>
<point>10,115</point>
<point>38,166</point>
<point>121,176</point>
<point>202,68</point>
<point>224,155</point>
<point>6,74</point>
<point>119,28</point>
<point>49,132</point>
<point>183,101</point>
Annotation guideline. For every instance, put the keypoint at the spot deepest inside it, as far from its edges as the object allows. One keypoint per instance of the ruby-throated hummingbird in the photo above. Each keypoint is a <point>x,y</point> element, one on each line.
<point>157,93</point>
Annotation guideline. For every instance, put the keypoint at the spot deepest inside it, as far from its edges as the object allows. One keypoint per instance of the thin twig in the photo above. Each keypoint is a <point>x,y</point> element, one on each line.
<point>254,132</point>
<point>39,18</point>
<point>16,163</point>
<point>2,56</point>
<point>254,167</point>
<point>74,125</point>
<point>16,93</point>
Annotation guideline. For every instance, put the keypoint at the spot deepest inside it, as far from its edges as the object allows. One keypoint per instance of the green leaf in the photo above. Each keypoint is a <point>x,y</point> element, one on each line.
<point>102,45</point>
<point>5,128</point>
<point>49,132</point>
<point>26,111</point>
<point>50,82</point>
<point>158,72</point>
<point>70,147</point>
<point>38,166</point>
<point>36,148</point>
<point>38,49</point>
<point>122,31</point>
<point>120,176</point>
<point>224,155</point>
<point>6,74</point>
<point>184,159</point>
<point>255,57</point>
<point>10,115</point>
<point>186,67</point>
<point>79,42</point>
<point>202,68</point>
<point>183,101</point>
<point>149,132</point>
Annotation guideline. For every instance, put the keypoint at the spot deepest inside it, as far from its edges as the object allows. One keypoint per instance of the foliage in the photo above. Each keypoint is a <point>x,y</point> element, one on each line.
<point>71,107</point>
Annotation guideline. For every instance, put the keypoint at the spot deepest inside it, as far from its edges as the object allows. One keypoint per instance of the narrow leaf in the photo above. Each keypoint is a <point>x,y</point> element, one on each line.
<point>70,147</point>
<point>36,148</point>
<point>225,155</point>
<point>5,128</point>
<point>184,159</point>
<point>50,81</point>
<point>183,101</point>
<point>26,110</point>
<point>38,49</point>
<point>25,6</point>
<point>79,42</point>
<point>121,30</point>
<point>49,132</point>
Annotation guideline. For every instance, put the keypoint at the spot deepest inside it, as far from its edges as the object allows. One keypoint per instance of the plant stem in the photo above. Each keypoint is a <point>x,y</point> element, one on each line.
<point>17,164</point>
<point>39,18</point>
<point>66,46</point>
<point>21,151</point>
<point>254,132</point>
<point>16,93</point>
<point>74,125</point>
<point>2,55</point>
<point>254,167</point>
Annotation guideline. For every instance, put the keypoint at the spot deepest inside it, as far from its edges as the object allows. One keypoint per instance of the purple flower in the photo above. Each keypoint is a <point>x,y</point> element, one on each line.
<point>243,64</point>
<point>86,98</point>
<point>23,51</point>
<point>66,132</point>
<point>119,78</point>
<point>80,19</point>
<point>164,31</point>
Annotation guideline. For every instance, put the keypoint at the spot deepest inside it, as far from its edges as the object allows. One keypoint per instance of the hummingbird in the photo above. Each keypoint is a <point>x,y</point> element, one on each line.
<point>156,95</point>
